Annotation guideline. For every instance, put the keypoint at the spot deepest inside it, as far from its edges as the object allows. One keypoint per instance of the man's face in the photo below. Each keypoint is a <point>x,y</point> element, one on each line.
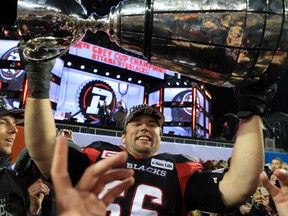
<point>142,137</point>
<point>8,132</point>
<point>276,164</point>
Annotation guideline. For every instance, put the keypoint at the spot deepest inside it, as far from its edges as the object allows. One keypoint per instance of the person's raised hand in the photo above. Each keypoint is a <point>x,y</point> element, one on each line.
<point>84,199</point>
<point>38,75</point>
<point>252,99</point>
<point>279,195</point>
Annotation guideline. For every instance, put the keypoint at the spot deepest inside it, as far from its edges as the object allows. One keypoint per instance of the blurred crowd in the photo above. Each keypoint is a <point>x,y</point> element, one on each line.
<point>259,203</point>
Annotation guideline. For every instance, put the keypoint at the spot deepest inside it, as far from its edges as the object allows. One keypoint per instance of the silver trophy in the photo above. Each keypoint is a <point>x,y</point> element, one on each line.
<point>219,42</point>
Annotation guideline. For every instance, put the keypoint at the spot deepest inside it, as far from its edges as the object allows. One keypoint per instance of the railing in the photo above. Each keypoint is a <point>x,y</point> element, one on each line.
<point>117,132</point>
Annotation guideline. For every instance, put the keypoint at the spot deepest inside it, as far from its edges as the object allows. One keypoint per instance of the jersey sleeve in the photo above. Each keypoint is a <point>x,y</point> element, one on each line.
<point>99,150</point>
<point>202,192</point>
<point>77,163</point>
<point>93,151</point>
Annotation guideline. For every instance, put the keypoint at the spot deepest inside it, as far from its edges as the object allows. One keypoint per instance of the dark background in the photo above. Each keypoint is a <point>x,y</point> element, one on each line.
<point>223,101</point>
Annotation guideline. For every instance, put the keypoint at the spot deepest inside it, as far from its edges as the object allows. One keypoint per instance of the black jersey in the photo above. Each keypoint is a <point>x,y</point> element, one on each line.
<point>161,183</point>
<point>28,171</point>
<point>13,192</point>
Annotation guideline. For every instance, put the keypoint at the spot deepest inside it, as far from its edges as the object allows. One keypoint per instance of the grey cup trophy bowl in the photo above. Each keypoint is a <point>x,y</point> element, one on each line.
<point>219,42</point>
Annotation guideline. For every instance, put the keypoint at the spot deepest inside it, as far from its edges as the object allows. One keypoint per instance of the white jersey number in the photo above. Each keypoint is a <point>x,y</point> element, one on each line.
<point>141,193</point>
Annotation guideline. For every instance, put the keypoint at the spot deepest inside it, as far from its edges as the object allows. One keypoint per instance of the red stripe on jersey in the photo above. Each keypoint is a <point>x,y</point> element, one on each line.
<point>185,170</point>
<point>92,154</point>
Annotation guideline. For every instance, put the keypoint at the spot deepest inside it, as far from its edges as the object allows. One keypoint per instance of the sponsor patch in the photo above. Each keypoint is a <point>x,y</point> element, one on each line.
<point>107,154</point>
<point>162,164</point>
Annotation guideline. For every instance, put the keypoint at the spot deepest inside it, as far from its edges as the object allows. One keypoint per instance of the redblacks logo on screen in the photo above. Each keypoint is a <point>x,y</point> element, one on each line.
<point>7,73</point>
<point>92,96</point>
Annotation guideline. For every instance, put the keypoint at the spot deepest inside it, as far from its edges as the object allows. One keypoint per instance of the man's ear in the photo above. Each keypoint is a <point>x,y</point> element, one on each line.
<point>161,132</point>
<point>123,138</point>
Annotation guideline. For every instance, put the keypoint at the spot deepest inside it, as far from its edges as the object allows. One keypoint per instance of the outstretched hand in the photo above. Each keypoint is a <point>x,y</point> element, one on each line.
<point>84,198</point>
<point>279,195</point>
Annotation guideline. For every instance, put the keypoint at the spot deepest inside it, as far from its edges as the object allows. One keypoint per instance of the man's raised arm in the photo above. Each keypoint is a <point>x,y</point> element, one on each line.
<point>39,129</point>
<point>247,161</point>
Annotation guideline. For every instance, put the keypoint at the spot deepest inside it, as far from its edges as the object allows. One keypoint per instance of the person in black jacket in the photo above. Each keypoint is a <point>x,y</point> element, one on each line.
<point>120,115</point>
<point>104,114</point>
<point>13,192</point>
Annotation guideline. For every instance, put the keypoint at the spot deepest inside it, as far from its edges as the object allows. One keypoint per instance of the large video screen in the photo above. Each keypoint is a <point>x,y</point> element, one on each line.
<point>177,94</point>
<point>178,131</point>
<point>207,105</point>
<point>82,94</point>
<point>200,119</point>
<point>178,111</point>
<point>200,99</point>
<point>177,114</point>
<point>154,97</point>
<point>178,118</point>
<point>13,77</point>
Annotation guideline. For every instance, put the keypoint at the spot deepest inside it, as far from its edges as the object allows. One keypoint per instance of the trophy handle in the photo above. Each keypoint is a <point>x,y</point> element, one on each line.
<point>47,30</point>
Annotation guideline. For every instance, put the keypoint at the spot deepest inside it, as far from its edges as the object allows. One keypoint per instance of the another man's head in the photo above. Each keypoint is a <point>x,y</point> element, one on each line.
<point>142,131</point>
<point>276,164</point>
<point>9,118</point>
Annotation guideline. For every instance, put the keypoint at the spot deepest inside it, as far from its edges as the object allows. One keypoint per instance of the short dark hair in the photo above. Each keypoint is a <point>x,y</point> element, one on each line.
<point>279,159</point>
